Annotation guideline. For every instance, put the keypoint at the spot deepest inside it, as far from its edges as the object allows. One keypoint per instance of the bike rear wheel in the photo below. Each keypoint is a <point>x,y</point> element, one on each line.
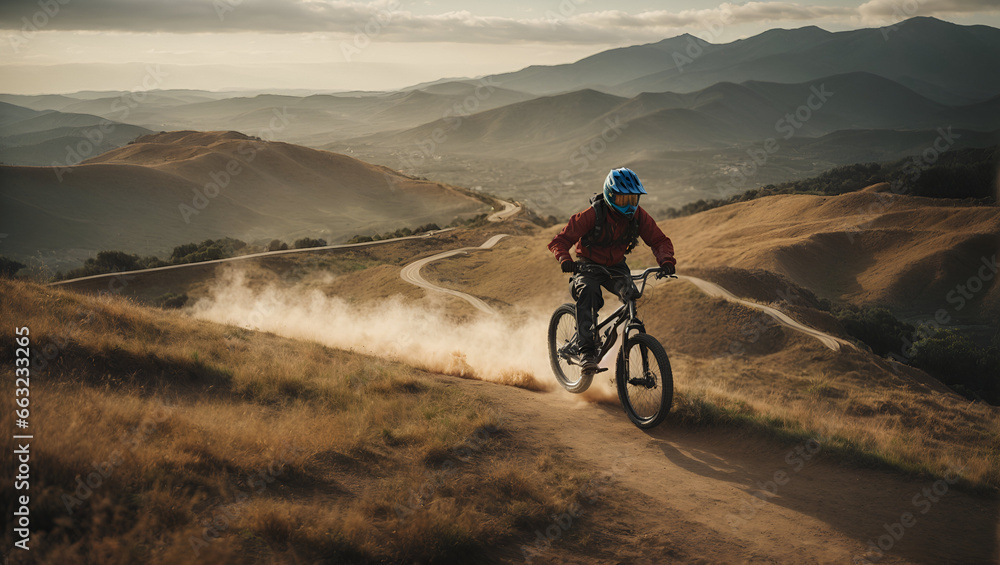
<point>564,355</point>
<point>645,382</point>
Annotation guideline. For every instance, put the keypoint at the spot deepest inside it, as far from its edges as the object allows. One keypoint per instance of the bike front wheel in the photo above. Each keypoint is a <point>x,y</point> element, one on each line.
<point>564,354</point>
<point>645,382</point>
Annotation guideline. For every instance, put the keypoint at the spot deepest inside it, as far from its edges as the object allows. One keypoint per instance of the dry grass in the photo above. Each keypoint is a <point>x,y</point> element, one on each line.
<point>907,252</point>
<point>220,444</point>
<point>781,383</point>
<point>867,415</point>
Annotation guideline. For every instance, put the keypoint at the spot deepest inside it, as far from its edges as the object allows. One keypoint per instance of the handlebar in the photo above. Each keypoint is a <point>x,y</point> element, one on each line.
<point>594,267</point>
<point>609,272</point>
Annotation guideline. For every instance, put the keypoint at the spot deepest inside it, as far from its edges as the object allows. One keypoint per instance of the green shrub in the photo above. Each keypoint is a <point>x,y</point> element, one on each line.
<point>9,267</point>
<point>958,362</point>
<point>876,327</point>
<point>307,242</point>
<point>947,355</point>
<point>208,250</point>
<point>171,300</point>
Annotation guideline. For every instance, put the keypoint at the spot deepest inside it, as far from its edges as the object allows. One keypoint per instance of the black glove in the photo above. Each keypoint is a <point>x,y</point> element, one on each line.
<point>666,270</point>
<point>568,266</point>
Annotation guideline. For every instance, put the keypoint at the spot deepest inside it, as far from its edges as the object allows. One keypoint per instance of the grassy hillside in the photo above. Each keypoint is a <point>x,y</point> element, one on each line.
<point>173,188</point>
<point>735,367</point>
<point>220,444</point>
<point>863,247</point>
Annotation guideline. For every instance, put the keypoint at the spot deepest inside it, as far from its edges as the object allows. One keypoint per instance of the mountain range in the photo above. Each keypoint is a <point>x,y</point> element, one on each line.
<point>938,59</point>
<point>695,119</point>
<point>721,115</point>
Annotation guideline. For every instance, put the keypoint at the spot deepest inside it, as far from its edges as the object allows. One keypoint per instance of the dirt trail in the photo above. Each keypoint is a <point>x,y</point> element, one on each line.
<point>715,290</point>
<point>509,209</point>
<point>708,497</point>
<point>411,273</point>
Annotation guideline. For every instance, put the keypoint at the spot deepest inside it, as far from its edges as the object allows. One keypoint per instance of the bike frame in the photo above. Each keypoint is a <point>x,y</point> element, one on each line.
<point>627,312</point>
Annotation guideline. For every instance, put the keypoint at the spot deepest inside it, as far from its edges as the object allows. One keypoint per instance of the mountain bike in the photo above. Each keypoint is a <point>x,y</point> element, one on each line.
<point>642,371</point>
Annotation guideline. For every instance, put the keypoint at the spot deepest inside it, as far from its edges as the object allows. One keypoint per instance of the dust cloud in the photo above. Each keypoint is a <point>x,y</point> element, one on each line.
<point>421,335</point>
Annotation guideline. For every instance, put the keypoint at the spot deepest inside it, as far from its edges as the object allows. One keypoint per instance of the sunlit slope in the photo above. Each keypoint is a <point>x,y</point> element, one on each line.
<point>864,247</point>
<point>173,188</point>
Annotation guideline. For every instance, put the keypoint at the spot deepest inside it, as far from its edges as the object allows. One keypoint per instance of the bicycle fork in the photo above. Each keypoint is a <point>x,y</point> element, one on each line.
<point>644,380</point>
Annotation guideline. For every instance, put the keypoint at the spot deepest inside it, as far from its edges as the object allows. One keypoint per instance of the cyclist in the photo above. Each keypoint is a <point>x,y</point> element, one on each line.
<point>604,234</point>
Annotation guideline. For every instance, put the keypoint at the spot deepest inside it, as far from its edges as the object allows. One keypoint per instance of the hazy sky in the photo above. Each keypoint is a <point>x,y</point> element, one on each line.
<point>69,45</point>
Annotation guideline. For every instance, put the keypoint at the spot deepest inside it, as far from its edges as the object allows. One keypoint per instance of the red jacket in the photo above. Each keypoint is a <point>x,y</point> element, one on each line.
<point>583,222</point>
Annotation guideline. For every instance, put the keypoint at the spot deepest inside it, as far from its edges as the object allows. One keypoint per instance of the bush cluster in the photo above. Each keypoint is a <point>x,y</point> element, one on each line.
<point>208,250</point>
<point>307,242</point>
<point>402,232</point>
<point>946,354</point>
<point>120,261</point>
<point>9,267</point>
<point>112,262</point>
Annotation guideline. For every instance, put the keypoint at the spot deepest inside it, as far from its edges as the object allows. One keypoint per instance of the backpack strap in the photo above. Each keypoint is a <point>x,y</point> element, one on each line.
<point>597,236</point>
<point>593,237</point>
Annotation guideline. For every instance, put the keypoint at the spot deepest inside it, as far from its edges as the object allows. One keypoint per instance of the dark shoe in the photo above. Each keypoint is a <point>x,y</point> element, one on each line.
<point>589,364</point>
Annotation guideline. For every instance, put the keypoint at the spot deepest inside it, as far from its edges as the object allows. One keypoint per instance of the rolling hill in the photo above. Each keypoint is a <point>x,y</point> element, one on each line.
<point>869,247</point>
<point>46,138</point>
<point>172,188</point>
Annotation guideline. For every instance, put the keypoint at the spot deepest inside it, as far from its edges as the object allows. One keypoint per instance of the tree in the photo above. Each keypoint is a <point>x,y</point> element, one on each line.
<point>309,242</point>
<point>111,261</point>
<point>182,251</point>
<point>9,267</point>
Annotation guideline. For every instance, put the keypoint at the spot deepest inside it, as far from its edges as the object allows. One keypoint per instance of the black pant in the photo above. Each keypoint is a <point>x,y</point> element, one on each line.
<point>586,290</point>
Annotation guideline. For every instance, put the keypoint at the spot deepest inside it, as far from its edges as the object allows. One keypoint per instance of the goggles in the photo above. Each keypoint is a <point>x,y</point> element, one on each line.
<point>626,199</point>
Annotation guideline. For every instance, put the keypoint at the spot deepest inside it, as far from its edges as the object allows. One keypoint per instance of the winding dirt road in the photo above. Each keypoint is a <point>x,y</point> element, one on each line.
<point>717,291</point>
<point>509,209</point>
<point>411,274</point>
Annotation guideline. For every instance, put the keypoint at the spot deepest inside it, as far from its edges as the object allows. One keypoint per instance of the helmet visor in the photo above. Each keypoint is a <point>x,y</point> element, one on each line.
<point>623,200</point>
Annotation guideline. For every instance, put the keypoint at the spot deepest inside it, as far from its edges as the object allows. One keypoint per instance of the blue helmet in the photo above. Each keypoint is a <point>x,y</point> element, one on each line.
<point>621,191</point>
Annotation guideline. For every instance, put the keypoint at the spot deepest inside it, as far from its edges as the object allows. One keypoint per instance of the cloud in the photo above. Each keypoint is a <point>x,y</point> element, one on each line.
<point>564,23</point>
<point>728,13</point>
<point>877,11</point>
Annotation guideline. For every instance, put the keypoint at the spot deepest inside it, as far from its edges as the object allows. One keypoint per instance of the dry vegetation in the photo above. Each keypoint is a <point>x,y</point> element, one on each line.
<point>865,409</point>
<point>219,444</point>
<point>779,383</point>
